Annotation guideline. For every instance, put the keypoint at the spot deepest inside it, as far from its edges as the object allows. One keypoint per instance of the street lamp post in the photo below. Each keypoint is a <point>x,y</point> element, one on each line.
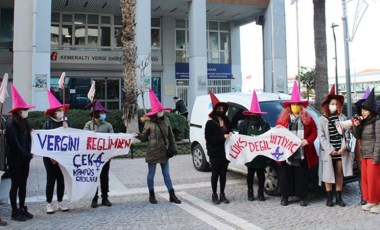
<point>347,59</point>
<point>336,59</point>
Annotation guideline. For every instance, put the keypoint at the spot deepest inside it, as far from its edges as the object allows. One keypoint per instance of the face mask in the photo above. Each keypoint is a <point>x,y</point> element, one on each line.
<point>295,109</point>
<point>160,114</point>
<point>24,114</point>
<point>255,117</point>
<point>332,108</point>
<point>220,113</point>
<point>102,117</point>
<point>59,115</point>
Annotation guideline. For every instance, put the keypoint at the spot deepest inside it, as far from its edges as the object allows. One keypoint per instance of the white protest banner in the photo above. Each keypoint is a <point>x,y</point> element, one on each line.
<point>277,143</point>
<point>81,155</point>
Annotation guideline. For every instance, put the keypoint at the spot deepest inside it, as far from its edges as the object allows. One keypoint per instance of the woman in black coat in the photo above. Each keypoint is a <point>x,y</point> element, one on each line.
<point>217,130</point>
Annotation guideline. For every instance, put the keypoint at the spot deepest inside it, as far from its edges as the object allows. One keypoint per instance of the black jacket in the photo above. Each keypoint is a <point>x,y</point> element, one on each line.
<point>19,145</point>
<point>215,140</point>
<point>180,107</point>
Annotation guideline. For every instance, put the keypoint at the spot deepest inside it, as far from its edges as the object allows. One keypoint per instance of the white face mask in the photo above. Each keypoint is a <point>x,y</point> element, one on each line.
<point>160,114</point>
<point>24,114</point>
<point>59,115</point>
<point>332,108</point>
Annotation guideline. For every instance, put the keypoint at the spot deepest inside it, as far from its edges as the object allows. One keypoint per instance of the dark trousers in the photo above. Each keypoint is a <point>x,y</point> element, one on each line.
<point>293,180</point>
<point>19,178</point>
<point>260,176</point>
<point>218,171</point>
<point>104,186</point>
<point>53,173</point>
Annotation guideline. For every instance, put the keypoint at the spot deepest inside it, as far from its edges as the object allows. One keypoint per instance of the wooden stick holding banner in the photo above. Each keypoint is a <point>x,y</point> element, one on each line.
<point>91,96</point>
<point>61,85</point>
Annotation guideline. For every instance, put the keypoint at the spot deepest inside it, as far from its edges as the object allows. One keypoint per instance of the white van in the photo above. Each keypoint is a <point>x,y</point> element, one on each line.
<point>238,102</point>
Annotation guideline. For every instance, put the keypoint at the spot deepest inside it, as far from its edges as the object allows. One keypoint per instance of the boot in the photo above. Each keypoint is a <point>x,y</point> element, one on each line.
<point>260,195</point>
<point>94,203</point>
<point>173,198</point>
<point>215,198</point>
<point>106,202</point>
<point>329,201</point>
<point>17,216</point>
<point>339,200</point>
<point>250,195</point>
<point>284,201</point>
<point>24,212</point>
<point>152,198</point>
<point>223,198</point>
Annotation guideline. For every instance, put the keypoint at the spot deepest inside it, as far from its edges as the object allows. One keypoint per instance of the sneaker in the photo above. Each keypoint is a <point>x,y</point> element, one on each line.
<point>49,209</point>
<point>368,206</point>
<point>62,207</point>
<point>24,212</point>
<point>106,202</point>
<point>17,216</point>
<point>94,203</point>
<point>375,209</point>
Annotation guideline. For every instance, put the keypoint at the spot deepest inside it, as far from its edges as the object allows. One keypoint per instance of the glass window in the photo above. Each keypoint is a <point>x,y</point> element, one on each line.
<point>212,57</point>
<point>156,22</point>
<point>224,58</point>
<point>67,33</point>
<point>80,35</point>
<point>117,37</point>
<point>105,36</point>
<point>180,23</point>
<point>181,39</point>
<point>68,18</point>
<point>224,41</point>
<point>155,33</point>
<point>213,25</point>
<point>80,19</point>
<point>54,35</point>
<point>92,35</point>
<point>106,20</point>
<point>55,17</point>
<point>92,19</point>
<point>223,26</point>
<point>117,20</point>
<point>213,41</point>
<point>181,56</point>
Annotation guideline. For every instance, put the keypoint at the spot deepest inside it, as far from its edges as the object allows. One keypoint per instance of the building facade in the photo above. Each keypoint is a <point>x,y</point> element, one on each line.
<point>189,47</point>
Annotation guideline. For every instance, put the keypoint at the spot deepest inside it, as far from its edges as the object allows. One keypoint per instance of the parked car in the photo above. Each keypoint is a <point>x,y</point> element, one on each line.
<point>239,102</point>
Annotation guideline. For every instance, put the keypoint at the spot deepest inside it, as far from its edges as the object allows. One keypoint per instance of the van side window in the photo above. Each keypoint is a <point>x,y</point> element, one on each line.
<point>235,113</point>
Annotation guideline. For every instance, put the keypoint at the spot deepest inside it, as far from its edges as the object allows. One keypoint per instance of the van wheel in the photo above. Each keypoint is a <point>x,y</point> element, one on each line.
<point>199,159</point>
<point>272,179</point>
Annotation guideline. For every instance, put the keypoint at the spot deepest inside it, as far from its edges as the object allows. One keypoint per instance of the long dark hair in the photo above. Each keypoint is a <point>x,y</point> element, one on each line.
<point>23,125</point>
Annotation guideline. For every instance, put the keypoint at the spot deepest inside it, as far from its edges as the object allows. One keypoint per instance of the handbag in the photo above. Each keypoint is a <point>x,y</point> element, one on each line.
<point>170,151</point>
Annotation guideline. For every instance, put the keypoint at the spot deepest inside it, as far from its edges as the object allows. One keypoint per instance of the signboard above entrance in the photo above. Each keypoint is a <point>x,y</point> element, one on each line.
<point>214,71</point>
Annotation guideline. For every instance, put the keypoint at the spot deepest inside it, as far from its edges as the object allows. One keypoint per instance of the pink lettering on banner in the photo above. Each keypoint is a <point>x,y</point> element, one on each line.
<point>261,145</point>
<point>284,142</point>
<point>237,148</point>
<point>94,143</point>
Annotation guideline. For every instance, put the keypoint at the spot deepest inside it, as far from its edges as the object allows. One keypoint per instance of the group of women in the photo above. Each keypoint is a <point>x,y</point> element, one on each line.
<point>335,159</point>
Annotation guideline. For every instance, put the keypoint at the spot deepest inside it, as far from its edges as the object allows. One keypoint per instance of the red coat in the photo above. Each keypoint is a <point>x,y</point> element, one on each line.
<point>310,133</point>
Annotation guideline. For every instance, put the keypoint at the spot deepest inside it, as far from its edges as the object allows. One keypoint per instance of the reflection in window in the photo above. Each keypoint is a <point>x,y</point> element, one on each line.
<point>155,38</point>
<point>117,37</point>
<point>67,33</point>
<point>92,34</point>
<point>80,35</point>
<point>54,35</point>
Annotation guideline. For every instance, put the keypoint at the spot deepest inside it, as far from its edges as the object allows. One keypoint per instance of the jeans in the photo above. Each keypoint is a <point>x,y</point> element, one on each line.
<point>165,173</point>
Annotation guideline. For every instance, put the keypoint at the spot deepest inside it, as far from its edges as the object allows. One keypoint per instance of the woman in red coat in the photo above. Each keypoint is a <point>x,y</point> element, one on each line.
<point>294,171</point>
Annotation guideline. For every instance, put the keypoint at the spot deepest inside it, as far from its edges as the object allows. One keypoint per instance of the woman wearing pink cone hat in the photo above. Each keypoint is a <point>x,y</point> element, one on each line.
<point>158,131</point>
<point>55,119</point>
<point>19,155</point>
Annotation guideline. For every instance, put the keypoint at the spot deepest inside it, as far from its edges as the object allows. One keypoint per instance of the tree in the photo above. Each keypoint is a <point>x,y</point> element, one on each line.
<point>320,47</point>
<point>131,89</point>
<point>307,78</point>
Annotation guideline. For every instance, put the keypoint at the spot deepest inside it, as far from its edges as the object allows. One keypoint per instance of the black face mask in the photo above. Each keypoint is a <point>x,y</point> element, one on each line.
<point>219,113</point>
<point>255,118</point>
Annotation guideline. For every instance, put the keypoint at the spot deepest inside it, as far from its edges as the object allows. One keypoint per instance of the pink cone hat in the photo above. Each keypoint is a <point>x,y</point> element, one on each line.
<point>17,101</point>
<point>296,97</point>
<point>215,102</point>
<point>155,104</point>
<point>54,104</point>
<point>255,106</point>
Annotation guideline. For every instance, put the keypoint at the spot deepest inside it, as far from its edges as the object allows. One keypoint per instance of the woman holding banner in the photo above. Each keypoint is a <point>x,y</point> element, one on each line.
<point>254,125</point>
<point>19,146</point>
<point>98,124</point>
<point>158,131</point>
<point>294,171</point>
<point>334,161</point>
<point>55,119</point>
<point>218,128</point>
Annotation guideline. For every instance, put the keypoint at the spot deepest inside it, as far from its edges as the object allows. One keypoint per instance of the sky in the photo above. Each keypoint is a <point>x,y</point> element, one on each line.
<point>364,49</point>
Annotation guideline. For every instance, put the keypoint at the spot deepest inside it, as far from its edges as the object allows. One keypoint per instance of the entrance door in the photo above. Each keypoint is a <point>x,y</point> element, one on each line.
<point>108,92</point>
<point>156,86</point>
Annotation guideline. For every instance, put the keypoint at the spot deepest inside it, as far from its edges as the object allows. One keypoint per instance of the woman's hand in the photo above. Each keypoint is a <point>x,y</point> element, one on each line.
<point>304,142</point>
<point>334,153</point>
<point>341,151</point>
<point>64,124</point>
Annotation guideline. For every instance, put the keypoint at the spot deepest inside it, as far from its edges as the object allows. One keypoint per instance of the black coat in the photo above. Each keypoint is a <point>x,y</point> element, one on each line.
<point>19,145</point>
<point>180,107</point>
<point>215,140</point>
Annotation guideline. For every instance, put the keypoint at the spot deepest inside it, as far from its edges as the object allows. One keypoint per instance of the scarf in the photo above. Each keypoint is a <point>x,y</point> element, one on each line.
<point>297,128</point>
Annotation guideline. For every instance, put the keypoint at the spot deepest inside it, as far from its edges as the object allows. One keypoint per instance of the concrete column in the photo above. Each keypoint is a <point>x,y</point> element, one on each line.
<point>197,51</point>
<point>235,58</point>
<point>143,39</point>
<point>274,39</point>
<point>31,47</point>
